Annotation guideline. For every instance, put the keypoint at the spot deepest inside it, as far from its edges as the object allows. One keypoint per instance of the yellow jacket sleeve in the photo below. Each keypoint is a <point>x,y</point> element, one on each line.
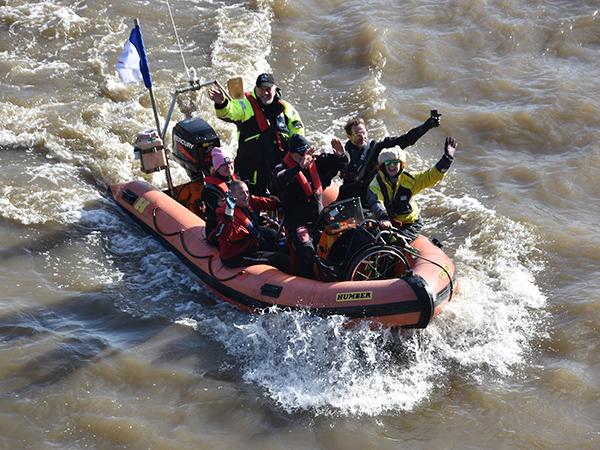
<point>235,111</point>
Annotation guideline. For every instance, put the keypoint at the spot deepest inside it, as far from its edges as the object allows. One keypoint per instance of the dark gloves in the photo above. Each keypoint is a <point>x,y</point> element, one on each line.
<point>229,205</point>
<point>450,147</point>
<point>433,121</point>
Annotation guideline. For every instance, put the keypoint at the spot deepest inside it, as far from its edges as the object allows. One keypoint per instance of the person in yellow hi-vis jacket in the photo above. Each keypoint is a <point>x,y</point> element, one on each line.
<point>391,193</point>
<point>265,122</point>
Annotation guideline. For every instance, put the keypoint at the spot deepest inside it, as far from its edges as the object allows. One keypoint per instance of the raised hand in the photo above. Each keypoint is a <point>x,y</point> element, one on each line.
<point>433,121</point>
<point>216,95</point>
<point>307,158</point>
<point>338,146</point>
<point>450,146</point>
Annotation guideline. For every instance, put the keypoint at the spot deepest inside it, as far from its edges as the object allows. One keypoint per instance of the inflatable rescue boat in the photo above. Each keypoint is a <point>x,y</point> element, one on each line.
<point>364,274</point>
<point>412,299</point>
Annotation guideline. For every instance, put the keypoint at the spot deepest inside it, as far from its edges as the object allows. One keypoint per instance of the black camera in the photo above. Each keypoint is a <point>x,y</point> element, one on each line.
<point>434,113</point>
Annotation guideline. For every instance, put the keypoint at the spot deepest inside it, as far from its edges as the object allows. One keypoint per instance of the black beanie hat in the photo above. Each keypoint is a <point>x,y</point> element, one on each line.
<point>265,80</point>
<point>298,144</point>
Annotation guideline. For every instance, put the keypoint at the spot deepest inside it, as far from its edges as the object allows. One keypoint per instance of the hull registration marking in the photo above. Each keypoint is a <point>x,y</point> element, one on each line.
<point>353,296</point>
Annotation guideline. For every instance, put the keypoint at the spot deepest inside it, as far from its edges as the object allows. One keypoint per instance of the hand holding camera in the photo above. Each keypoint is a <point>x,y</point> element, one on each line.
<point>434,119</point>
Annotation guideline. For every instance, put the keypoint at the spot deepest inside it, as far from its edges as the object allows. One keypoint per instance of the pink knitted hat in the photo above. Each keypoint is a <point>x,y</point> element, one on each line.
<point>220,157</point>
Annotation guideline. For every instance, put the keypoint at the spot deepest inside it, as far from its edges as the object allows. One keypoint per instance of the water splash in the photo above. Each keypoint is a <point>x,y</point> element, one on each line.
<point>319,364</point>
<point>302,362</point>
<point>46,193</point>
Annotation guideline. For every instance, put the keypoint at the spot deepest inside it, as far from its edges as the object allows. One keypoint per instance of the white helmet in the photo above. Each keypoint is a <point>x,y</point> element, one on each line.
<point>392,153</point>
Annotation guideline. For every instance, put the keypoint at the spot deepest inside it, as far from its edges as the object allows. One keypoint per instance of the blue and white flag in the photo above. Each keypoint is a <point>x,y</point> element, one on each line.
<point>132,65</point>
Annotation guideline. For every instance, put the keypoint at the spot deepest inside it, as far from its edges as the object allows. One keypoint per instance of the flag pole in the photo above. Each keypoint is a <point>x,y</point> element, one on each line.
<point>167,168</point>
<point>148,85</point>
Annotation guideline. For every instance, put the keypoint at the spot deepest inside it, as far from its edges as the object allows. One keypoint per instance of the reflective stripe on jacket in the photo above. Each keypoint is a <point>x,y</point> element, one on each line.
<point>242,114</point>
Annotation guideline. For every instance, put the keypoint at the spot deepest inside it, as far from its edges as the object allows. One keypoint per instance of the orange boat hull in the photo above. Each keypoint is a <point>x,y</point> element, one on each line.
<point>410,301</point>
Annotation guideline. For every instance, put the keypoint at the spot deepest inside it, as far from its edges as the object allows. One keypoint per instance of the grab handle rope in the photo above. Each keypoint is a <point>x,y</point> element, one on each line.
<point>188,251</point>
<point>181,234</point>
<point>408,250</point>
<point>212,274</point>
<point>154,214</point>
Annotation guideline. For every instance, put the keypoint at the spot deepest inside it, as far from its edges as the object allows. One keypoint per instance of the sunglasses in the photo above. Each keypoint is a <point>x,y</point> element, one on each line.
<point>389,162</point>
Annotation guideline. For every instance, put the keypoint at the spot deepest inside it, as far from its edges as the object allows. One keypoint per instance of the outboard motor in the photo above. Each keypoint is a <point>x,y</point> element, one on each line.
<point>193,140</point>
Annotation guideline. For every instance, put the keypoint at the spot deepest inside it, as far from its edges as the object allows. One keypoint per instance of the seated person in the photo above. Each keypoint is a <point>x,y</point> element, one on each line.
<point>242,241</point>
<point>215,187</point>
<point>299,182</point>
<point>391,193</point>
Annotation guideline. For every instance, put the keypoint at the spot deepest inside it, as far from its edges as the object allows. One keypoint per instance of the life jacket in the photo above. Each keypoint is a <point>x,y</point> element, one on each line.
<point>263,123</point>
<point>218,184</point>
<point>399,204</point>
<point>241,214</point>
<point>312,189</point>
<point>244,235</point>
<point>360,159</point>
